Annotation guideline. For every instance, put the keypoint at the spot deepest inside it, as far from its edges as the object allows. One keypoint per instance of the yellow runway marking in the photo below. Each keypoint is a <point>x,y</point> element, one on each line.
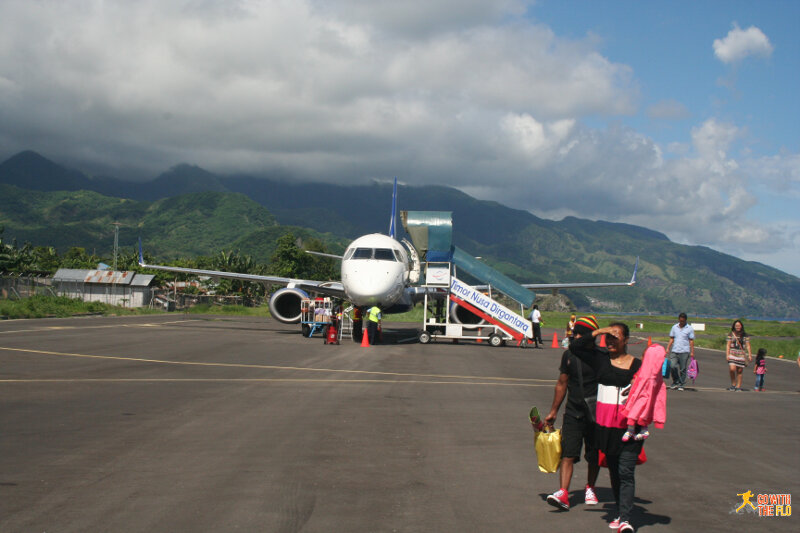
<point>273,367</point>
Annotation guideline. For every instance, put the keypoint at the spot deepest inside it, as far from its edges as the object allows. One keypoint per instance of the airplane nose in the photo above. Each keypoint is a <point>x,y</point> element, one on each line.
<point>370,285</point>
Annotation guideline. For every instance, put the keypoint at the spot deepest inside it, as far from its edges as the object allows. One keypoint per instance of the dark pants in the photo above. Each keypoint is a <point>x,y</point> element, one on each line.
<point>372,331</point>
<point>621,471</point>
<point>537,333</point>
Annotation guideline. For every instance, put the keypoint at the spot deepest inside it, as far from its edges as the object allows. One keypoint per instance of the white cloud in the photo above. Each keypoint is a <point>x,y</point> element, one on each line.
<point>540,141</point>
<point>668,110</point>
<point>264,84</point>
<point>740,43</point>
<point>702,196</point>
<point>781,173</point>
<point>347,91</point>
<point>421,18</point>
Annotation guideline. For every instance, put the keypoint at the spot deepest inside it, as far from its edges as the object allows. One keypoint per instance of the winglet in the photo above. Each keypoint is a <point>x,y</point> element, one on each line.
<point>393,220</point>
<point>141,255</point>
<point>635,268</point>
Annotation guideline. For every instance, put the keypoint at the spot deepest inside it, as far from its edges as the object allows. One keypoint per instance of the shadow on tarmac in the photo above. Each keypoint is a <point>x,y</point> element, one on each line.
<point>640,516</point>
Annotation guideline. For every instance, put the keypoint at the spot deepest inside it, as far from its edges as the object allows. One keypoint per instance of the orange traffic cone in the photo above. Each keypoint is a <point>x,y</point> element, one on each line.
<point>364,339</point>
<point>480,334</point>
<point>555,341</point>
<point>602,341</point>
<point>649,341</point>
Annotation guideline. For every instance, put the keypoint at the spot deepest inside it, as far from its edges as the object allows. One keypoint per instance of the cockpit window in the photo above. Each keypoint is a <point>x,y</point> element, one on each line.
<point>348,254</point>
<point>384,254</point>
<point>380,254</point>
<point>363,253</point>
<point>398,256</point>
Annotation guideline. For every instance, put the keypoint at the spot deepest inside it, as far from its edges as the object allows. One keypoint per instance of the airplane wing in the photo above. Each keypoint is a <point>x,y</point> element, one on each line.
<point>329,288</point>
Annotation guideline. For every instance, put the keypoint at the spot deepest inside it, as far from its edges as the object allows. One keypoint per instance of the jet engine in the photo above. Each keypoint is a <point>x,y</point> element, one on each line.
<point>462,315</point>
<point>284,304</point>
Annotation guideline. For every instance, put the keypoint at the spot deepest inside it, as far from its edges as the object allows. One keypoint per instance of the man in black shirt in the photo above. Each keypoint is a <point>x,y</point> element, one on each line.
<point>578,383</point>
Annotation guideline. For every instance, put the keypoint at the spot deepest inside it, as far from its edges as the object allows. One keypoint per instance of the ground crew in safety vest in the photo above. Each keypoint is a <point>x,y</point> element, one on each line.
<point>373,323</point>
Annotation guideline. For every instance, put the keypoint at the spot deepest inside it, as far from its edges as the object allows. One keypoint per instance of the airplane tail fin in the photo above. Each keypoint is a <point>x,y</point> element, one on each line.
<point>393,220</point>
<point>635,268</point>
<point>141,255</point>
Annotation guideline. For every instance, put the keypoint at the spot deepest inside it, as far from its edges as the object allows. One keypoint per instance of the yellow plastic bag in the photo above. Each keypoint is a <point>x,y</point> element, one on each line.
<point>548,449</point>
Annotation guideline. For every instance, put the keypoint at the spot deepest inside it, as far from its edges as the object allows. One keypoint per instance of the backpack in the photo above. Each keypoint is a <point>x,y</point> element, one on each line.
<point>693,370</point>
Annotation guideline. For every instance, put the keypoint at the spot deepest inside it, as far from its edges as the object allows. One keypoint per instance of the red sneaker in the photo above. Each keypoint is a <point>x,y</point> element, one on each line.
<point>559,499</point>
<point>614,523</point>
<point>590,497</point>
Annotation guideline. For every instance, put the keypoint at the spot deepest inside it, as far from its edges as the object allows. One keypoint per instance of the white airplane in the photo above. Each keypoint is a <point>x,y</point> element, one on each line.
<point>376,269</point>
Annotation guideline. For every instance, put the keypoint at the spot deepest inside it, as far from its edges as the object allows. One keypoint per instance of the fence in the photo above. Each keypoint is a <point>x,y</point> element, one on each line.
<point>19,287</point>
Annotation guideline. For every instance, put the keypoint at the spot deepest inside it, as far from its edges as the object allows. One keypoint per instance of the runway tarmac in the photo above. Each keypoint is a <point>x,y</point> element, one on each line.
<point>194,423</point>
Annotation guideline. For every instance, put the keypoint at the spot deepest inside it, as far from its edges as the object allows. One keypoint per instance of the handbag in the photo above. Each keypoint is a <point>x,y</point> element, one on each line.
<point>665,368</point>
<point>548,449</point>
<point>693,370</point>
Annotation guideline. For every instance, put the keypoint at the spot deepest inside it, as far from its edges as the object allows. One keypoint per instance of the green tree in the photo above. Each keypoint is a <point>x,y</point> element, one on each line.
<point>46,259</point>
<point>16,260</point>
<point>77,257</point>
<point>289,261</point>
<point>234,261</point>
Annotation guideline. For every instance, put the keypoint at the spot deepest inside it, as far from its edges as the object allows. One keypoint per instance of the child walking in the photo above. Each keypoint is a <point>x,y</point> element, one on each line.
<point>647,400</point>
<point>760,369</point>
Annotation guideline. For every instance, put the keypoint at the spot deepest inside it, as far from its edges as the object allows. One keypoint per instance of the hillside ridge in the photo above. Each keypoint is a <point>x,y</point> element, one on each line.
<point>206,212</point>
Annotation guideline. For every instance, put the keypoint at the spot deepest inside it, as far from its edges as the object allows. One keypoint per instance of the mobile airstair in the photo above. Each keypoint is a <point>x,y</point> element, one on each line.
<point>346,321</point>
<point>432,234</point>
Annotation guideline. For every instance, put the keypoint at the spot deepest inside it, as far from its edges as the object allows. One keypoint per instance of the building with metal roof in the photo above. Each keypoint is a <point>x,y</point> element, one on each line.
<point>123,288</point>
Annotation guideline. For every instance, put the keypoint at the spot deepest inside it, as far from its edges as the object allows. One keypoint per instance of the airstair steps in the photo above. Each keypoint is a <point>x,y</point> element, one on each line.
<point>490,310</point>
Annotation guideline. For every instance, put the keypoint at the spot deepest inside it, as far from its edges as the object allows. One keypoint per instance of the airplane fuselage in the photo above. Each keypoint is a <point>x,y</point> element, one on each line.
<point>375,271</point>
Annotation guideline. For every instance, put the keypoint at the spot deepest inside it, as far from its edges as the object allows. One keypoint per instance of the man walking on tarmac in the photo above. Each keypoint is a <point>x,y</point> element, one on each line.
<point>536,321</point>
<point>373,323</point>
<point>680,347</point>
<point>578,383</point>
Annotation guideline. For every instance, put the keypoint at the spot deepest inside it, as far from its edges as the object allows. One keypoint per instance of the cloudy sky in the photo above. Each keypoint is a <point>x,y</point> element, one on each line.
<point>679,116</point>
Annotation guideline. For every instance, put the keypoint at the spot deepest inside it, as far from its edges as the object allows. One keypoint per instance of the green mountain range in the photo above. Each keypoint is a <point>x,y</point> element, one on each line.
<point>189,211</point>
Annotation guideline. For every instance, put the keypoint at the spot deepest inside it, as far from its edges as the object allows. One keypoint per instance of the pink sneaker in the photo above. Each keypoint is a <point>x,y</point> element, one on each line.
<point>590,497</point>
<point>614,523</point>
<point>559,499</point>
